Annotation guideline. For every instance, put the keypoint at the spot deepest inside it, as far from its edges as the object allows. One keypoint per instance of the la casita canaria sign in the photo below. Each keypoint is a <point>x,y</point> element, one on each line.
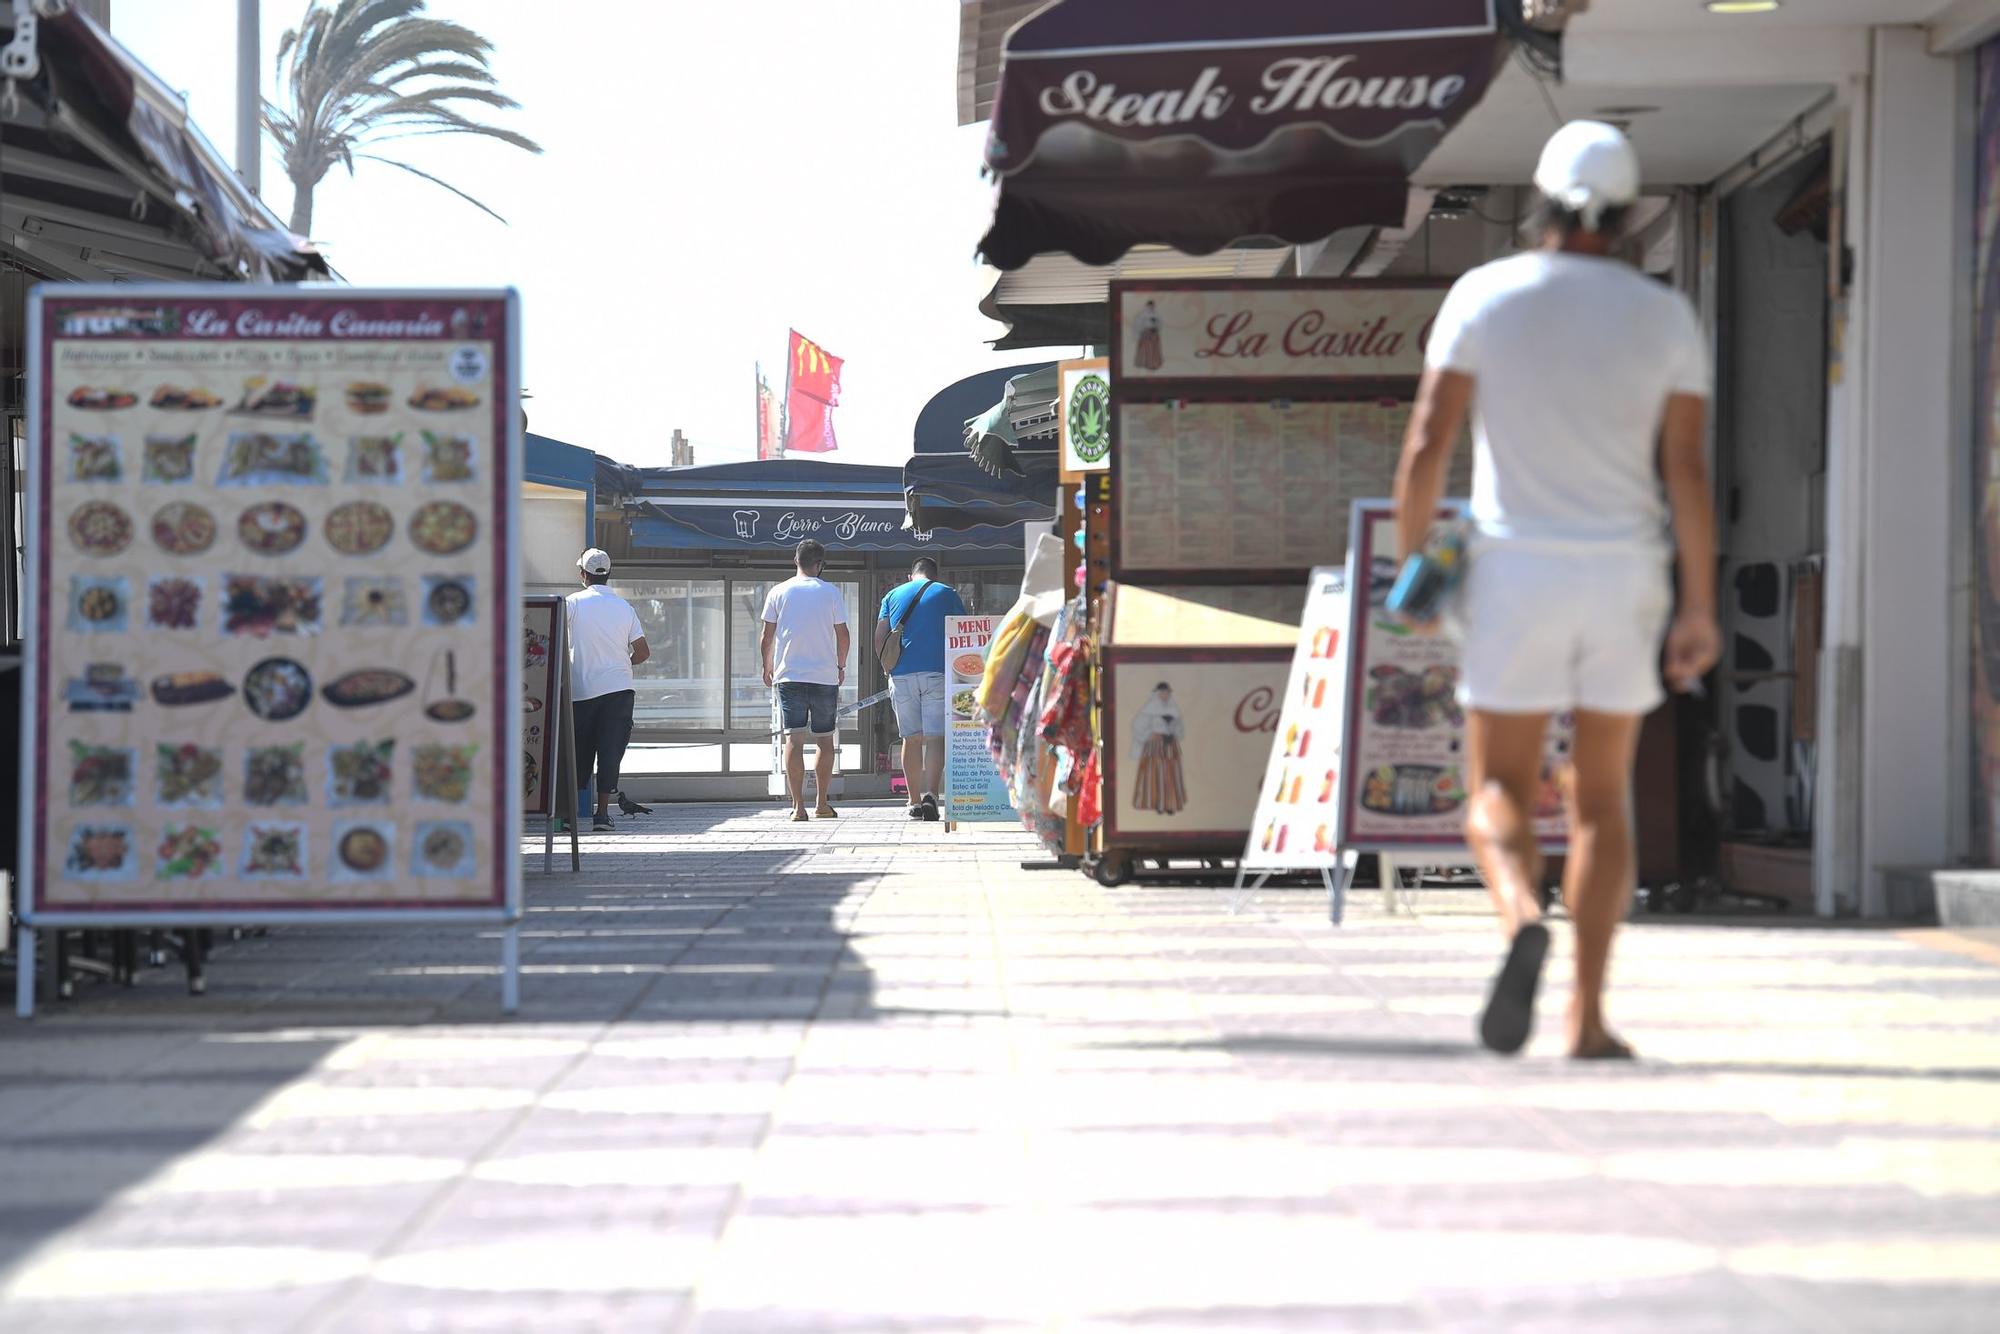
<point>1275,331</point>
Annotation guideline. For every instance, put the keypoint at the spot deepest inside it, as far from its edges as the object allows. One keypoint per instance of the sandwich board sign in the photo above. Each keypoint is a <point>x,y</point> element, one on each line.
<point>275,672</point>
<point>1369,754</point>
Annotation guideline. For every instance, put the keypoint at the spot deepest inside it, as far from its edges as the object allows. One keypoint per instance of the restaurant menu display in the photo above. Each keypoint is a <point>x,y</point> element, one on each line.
<point>273,667</point>
<point>1224,491</point>
<point>1297,823</point>
<point>543,650</point>
<point>973,789</point>
<point>1403,740</point>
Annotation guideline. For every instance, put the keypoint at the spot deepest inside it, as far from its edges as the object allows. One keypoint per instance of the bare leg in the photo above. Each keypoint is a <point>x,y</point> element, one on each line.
<point>1597,882</point>
<point>913,768</point>
<point>826,747</point>
<point>795,771</point>
<point>1503,772</point>
<point>934,765</point>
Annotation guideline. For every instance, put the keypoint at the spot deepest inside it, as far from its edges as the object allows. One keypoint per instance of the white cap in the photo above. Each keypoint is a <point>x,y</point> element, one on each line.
<point>1588,167</point>
<point>594,561</point>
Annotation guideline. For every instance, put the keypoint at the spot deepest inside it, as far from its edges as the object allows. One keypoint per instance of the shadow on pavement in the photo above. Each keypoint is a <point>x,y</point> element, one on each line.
<point>1279,1044</point>
<point>94,1107</point>
<point>106,1093</point>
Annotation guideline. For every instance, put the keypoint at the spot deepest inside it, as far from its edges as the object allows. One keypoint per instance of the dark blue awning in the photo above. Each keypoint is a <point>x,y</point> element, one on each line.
<point>949,491</point>
<point>776,528</point>
<point>772,505</point>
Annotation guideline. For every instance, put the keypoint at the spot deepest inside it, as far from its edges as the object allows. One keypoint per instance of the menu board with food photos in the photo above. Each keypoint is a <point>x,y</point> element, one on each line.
<point>1402,783</point>
<point>274,672</point>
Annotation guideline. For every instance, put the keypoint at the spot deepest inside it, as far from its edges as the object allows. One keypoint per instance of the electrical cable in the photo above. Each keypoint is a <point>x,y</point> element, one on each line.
<point>1541,84</point>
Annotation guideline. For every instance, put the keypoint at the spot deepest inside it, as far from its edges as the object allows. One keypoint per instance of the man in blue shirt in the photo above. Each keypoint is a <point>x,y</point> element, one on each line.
<point>914,612</point>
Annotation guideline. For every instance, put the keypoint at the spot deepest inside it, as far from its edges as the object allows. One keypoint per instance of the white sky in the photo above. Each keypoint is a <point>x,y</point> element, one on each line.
<point>713,174</point>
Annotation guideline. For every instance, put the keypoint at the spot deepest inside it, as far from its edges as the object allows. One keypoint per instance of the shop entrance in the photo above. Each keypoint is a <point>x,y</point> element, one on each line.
<point>1770,436</point>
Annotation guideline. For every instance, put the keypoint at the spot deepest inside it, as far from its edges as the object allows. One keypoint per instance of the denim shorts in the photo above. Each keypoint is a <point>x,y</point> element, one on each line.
<point>808,706</point>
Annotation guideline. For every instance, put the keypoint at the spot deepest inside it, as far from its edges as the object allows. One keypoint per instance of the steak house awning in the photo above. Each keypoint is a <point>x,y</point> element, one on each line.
<point>1196,124</point>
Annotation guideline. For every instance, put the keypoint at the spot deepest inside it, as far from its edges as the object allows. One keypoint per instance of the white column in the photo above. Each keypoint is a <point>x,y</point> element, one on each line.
<point>1911,471</point>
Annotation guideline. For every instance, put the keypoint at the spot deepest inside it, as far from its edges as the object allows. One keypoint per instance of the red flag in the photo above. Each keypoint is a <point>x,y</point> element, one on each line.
<point>767,418</point>
<point>812,389</point>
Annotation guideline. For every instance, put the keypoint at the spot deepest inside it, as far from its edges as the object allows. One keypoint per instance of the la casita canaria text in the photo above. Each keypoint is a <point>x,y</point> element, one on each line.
<point>1236,335</point>
<point>209,323</point>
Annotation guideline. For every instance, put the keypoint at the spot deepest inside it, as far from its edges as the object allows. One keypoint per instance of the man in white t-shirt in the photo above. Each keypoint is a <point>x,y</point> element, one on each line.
<point>1588,383</point>
<point>804,647</point>
<point>606,642</point>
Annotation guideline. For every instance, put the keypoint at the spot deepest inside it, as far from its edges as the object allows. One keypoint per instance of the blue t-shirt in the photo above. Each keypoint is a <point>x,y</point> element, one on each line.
<point>923,633</point>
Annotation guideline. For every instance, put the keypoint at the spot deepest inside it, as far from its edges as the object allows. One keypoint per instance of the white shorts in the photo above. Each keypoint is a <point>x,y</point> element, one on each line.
<point>1551,629</point>
<point>919,701</point>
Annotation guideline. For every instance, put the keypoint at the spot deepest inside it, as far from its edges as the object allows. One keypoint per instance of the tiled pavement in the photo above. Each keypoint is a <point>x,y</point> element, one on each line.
<point>867,1076</point>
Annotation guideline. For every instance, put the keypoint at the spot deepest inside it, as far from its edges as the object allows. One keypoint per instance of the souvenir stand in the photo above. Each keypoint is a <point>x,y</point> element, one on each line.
<point>1034,699</point>
<point>1245,419</point>
<point>1084,526</point>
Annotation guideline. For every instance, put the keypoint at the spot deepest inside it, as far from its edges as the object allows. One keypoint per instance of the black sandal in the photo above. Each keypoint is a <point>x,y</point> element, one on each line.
<point>1510,1009</point>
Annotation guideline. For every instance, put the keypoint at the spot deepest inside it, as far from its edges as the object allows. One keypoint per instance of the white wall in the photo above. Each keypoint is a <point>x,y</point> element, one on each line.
<point>1910,465</point>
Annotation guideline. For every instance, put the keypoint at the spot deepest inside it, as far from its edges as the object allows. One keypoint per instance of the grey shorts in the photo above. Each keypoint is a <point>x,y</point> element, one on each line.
<point>919,701</point>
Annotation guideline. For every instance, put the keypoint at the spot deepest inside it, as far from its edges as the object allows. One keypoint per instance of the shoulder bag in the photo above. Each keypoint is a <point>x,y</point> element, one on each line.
<point>892,647</point>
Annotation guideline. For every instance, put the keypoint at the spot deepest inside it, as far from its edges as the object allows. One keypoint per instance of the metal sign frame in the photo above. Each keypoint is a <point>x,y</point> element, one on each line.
<point>507,913</point>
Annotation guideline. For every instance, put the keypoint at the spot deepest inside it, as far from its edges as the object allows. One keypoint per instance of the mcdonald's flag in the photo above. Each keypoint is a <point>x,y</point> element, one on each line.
<point>811,393</point>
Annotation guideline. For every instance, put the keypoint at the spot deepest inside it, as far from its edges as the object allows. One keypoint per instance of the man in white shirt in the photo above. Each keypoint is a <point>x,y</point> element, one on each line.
<point>606,642</point>
<point>804,647</point>
<point>1588,383</point>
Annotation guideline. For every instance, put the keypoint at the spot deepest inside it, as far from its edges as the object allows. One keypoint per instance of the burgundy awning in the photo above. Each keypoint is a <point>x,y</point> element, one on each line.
<point>1195,124</point>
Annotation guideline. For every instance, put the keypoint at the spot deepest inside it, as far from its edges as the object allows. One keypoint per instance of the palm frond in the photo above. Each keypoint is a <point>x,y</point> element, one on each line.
<point>355,72</point>
<point>417,171</point>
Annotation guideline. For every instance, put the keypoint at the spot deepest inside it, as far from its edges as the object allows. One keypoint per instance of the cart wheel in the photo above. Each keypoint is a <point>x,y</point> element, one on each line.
<point>197,986</point>
<point>1111,872</point>
<point>1681,898</point>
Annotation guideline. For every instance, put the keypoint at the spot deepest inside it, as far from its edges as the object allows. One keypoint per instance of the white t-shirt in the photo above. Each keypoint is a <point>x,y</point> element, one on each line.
<point>805,610</point>
<point>1575,358</point>
<point>602,630</point>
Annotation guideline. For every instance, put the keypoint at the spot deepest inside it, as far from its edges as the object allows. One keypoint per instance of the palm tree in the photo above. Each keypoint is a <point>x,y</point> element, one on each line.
<point>365,71</point>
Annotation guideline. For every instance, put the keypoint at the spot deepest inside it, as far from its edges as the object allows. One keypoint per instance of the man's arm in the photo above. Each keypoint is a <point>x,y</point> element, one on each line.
<point>641,650</point>
<point>842,642</point>
<point>881,631</point>
<point>1443,399</point>
<point>764,646</point>
<point>1695,642</point>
